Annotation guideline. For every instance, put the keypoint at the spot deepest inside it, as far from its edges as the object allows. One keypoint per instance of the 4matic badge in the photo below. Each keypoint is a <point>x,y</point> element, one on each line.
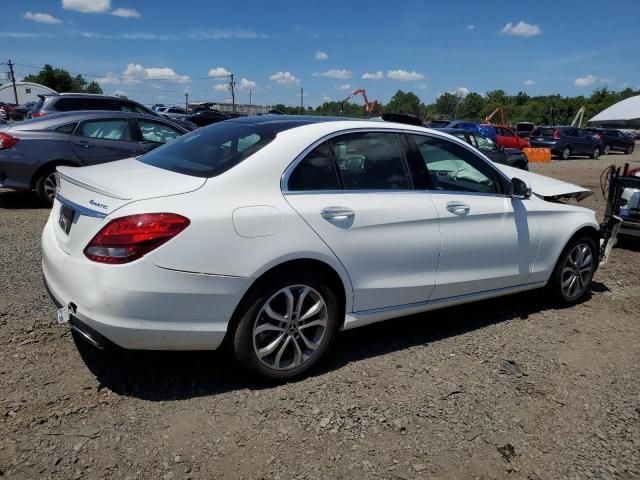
<point>99,205</point>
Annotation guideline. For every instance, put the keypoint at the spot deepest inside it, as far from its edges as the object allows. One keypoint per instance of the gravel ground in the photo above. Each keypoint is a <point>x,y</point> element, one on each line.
<point>507,388</point>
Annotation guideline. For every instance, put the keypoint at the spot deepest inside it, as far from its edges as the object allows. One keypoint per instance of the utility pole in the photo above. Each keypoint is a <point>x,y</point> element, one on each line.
<point>13,80</point>
<point>249,96</point>
<point>186,101</point>
<point>301,100</point>
<point>232,86</point>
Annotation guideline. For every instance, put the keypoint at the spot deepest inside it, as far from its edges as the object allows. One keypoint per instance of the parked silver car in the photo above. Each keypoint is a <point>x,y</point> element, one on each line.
<point>31,150</point>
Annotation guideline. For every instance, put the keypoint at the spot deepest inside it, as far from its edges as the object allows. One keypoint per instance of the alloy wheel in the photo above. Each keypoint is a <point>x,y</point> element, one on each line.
<point>566,153</point>
<point>290,327</point>
<point>607,150</point>
<point>50,185</point>
<point>577,271</point>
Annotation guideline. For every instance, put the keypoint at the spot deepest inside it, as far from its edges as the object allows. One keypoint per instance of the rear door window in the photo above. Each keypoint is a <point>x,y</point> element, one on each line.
<point>157,132</point>
<point>113,129</point>
<point>67,128</point>
<point>371,161</point>
<point>315,172</point>
<point>69,104</point>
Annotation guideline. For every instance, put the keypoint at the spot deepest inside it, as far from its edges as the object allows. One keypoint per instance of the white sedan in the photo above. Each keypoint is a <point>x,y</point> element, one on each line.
<point>273,233</point>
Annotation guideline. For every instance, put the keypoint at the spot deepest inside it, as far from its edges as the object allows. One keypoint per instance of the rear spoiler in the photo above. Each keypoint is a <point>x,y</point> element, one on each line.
<point>70,174</point>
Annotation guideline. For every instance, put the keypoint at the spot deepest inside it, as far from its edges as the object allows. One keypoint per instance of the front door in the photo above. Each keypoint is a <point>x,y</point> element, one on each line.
<point>488,241</point>
<point>356,193</point>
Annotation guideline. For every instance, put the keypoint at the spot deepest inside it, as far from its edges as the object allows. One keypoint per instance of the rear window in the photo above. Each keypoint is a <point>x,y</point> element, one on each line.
<point>69,104</point>
<point>543,132</point>
<point>210,151</point>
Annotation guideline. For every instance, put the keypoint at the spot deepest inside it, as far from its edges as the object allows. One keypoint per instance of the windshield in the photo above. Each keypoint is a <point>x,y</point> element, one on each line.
<point>210,151</point>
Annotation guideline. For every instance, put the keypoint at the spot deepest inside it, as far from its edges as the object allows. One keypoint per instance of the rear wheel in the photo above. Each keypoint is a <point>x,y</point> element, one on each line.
<point>571,279</point>
<point>606,150</point>
<point>566,153</point>
<point>629,150</point>
<point>286,326</point>
<point>46,186</point>
<point>595,153</point>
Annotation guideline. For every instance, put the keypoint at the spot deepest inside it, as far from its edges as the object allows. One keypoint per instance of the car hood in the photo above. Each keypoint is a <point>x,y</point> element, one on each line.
<point>546,187</point>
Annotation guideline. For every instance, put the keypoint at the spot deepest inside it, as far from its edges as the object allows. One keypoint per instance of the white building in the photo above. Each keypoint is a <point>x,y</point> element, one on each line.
<point>27,92</point>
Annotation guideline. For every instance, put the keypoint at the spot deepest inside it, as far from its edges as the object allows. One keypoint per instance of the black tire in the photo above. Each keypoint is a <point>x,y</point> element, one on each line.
<point>44,185</point>
<point>606,149</point>
<point>565,154</point>
<point>595,153</point>
<point>252,314</point>
<point>629,150</point>
<point>564,271</point>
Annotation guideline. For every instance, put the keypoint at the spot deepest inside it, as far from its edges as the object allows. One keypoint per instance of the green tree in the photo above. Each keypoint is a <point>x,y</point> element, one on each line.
<point>61,81</point>
<point>403,102</point>
<point>446,105</point>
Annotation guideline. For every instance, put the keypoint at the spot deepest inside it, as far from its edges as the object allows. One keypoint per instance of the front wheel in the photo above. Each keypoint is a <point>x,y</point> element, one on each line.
<point>286,326</point>
<point>571,279</point>
<point>629,150</point>
<point>595,153</point>
<point>606,150</point>
<point>566,153</point>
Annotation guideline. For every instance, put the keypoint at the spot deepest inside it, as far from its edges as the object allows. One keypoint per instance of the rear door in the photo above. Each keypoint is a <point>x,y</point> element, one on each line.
<point>356,193</point>
<point>104,140</point>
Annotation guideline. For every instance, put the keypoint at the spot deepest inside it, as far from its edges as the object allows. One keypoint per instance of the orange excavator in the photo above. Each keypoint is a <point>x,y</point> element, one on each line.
<point>372,108</point>
<point>490,117</point>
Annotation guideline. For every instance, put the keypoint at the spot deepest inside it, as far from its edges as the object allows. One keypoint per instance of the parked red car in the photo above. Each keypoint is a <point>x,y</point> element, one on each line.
<point>508,138</point>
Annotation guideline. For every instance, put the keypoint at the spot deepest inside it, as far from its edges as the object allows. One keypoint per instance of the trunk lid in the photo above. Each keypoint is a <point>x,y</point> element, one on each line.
<point>547,187</point>
<point>88,194</point>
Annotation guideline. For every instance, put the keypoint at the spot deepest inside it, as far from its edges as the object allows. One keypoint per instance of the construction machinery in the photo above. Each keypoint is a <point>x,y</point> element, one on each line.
<point>372,108</point>
<point>578,118</point>
<point>492,114</point>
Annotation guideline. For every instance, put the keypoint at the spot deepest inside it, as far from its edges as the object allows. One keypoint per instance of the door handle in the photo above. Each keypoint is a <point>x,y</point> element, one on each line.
<point>83,144</point>
<point>458,208</point>
<point>337,213</point>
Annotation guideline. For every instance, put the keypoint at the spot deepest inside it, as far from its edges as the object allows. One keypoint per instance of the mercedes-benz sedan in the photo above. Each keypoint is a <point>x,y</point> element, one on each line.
<point>273,233</point>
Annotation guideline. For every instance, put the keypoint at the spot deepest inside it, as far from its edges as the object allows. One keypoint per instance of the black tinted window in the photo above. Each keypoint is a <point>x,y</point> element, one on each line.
<point>210,151</point>
<point>315,172</point>
<point>99,104</point>
<point>69,104</point>
<point>371,161</point>
<point>67,128</point>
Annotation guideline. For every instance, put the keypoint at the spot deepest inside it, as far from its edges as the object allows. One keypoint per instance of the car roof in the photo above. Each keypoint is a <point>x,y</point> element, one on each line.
<point>90,95</point>
<point>453,130</point>
<point>78,115</point>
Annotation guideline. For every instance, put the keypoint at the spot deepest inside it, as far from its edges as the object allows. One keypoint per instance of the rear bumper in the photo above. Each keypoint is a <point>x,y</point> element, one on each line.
<point>139,305</point>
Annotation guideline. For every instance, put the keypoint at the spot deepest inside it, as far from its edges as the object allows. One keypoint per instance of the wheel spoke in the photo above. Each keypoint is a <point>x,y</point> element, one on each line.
<point>300,302</point>
<point>586,260</point>
<point>321,322</point>
<point>314,310</point>
<point>310,345</point>
<point>280,352</point>
<point>288,294</point>
<point>269,349</point>
<point>267,327</point>
<point>568,281</point>
<point>297,353</point>
<point>273,314</point>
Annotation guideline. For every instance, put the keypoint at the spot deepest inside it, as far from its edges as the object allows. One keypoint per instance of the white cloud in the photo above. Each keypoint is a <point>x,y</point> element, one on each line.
<point>219,72</point>
<point>326,98</point>
<point>25,35</point>
<point>109,79</point>
<point>136,73</point>
<point>130,36</point>
<point>421,86</point>
<point>125,13</point>
<point>529,83</point>
<point>87,6</point>
<point>521,29</point>
<point>344,86</point>
<point>247,84</point>
<point>335,73</point>
<point>379,75</point>
<point>320,55</point>
<point>284,78</point>
<point>461,92</point>
<point>471,27</point>
<point>42,18</point>
<point>221,87</point>
<point>586,81</point>
<point>217,34</point>
<point>403,75</point>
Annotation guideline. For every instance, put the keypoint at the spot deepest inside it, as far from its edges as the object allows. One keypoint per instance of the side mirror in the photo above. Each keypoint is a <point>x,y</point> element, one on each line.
<point>520,189</point>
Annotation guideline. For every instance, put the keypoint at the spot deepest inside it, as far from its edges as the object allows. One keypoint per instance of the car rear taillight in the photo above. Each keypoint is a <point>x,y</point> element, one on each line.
<point>634,172</point>
<point>7,141</point>
<point>38,114</point>
<point>556,134</point>
<point>126,239</point>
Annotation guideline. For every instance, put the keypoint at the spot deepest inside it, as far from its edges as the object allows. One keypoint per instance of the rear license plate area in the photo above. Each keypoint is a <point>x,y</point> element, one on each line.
<point>66,218</point>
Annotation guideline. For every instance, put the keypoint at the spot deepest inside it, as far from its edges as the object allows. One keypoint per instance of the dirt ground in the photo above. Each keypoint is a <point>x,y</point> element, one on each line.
<point>509,388</point>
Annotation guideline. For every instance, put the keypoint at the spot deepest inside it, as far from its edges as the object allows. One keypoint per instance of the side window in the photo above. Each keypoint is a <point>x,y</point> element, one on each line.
<point>454,168</point>
<point>506,132</point>
<point>157,132</point>
<point>116,129</point>
<point>67,128</point>
<point>99,104</point>
<point>315,172</point>
<point>484,143</point>
<point>571,132</point>
<point>69,104</point>
<point>371,161</point>
<point>126,107</point>
<point>471,140</point>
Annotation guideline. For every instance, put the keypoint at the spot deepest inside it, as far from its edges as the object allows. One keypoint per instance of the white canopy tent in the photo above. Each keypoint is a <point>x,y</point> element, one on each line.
<point>625,113</point>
